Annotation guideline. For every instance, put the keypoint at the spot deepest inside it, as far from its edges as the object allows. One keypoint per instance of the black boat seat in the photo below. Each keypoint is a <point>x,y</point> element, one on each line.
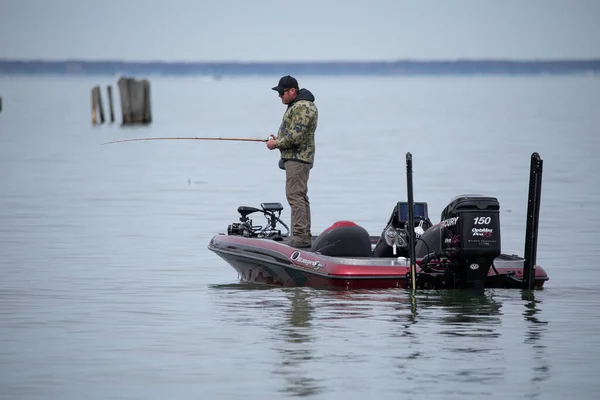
<point>343,239</point>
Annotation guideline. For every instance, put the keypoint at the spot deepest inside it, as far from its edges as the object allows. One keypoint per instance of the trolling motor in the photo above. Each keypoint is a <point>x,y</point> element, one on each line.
<point>271,211</point>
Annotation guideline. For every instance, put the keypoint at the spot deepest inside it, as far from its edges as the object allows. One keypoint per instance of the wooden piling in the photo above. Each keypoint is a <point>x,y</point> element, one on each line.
<point>0,104</point>
<point>110,104</point>
<point>94,107</point>
<point>100,106</point>
<point>126,113</point>
<point>147,118</point>
<point>97,105</point>
<point>135,101</point>
<point>136,96</point>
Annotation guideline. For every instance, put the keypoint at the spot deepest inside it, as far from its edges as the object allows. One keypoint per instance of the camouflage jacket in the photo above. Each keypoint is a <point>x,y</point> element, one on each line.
<point>296,136</point>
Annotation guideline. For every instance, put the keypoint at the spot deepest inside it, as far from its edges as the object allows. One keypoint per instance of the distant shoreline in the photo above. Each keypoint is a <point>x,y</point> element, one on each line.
<point>329,68</point>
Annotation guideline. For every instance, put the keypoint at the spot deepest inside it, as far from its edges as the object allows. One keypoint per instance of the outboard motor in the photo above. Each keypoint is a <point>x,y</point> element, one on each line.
<point>470,237</point>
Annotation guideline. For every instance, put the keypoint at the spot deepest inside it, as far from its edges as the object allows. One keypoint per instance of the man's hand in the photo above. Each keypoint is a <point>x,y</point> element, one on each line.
<point>271,142</point>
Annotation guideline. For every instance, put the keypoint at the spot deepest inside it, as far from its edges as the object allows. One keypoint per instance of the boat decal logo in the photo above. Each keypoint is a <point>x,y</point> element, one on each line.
<point>485,232</point>
<point>297,257</point>
<point>455,239</point>
<point>449,222</point>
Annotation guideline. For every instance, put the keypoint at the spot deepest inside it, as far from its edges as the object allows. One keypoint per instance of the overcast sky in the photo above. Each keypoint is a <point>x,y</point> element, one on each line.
<point>300,30</point>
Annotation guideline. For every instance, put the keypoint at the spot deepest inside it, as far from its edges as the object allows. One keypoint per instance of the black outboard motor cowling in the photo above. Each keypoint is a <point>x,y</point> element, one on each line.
<point>470,237</point>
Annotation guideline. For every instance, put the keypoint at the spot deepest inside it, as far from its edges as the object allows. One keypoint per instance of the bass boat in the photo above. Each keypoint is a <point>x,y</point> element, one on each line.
<point>462,250</point>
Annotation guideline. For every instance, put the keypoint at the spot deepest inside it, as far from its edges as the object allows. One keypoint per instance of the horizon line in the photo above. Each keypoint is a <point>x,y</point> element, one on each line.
<point>414,60</point>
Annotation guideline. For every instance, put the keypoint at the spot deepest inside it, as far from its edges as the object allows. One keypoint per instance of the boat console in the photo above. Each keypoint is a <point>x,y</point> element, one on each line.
<point>395,239</point>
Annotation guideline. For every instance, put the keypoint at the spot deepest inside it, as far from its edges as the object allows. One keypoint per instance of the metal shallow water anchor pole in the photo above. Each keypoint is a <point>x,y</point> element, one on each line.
<point>411,219</point>
<point>533,217</point>
<point>190,138</point>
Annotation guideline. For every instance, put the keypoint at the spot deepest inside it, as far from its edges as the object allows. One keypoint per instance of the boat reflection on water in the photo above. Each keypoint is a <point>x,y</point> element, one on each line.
<point>466,313</point>
<point>287,316</point>
<point>455,341</point>
<point>294,343</point>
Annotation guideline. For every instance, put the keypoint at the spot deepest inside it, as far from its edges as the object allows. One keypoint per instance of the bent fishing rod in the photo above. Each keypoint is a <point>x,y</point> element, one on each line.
<point>190,138</point>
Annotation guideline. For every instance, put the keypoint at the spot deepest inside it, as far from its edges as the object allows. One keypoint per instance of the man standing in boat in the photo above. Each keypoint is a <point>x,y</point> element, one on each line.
<point>296,142</point>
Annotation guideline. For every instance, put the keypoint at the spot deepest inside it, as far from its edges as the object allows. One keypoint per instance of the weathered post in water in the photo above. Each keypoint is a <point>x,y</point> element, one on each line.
<point>94,108</point>
<point>147,113</point>
<point>97,105</point>
<point>0,104</point>
<point>123,84</point>
<point>110,104</point>
<point>135,101</point>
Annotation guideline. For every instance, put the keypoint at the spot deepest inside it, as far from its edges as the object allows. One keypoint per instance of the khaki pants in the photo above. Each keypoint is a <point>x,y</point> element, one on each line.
<point>296,191</point>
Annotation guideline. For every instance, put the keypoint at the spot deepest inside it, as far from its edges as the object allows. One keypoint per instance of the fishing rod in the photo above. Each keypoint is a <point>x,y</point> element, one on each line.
<point>190,138</point>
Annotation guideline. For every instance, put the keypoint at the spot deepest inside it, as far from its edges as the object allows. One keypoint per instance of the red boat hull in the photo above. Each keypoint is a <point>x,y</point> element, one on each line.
<point>276,263</point>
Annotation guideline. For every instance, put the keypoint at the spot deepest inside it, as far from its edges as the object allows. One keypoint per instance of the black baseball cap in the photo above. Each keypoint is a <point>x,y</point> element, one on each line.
<point>287,82</point>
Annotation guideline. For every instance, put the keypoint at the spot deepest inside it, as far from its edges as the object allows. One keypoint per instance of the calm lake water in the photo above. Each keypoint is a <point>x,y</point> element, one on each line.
<point>107,289</point>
